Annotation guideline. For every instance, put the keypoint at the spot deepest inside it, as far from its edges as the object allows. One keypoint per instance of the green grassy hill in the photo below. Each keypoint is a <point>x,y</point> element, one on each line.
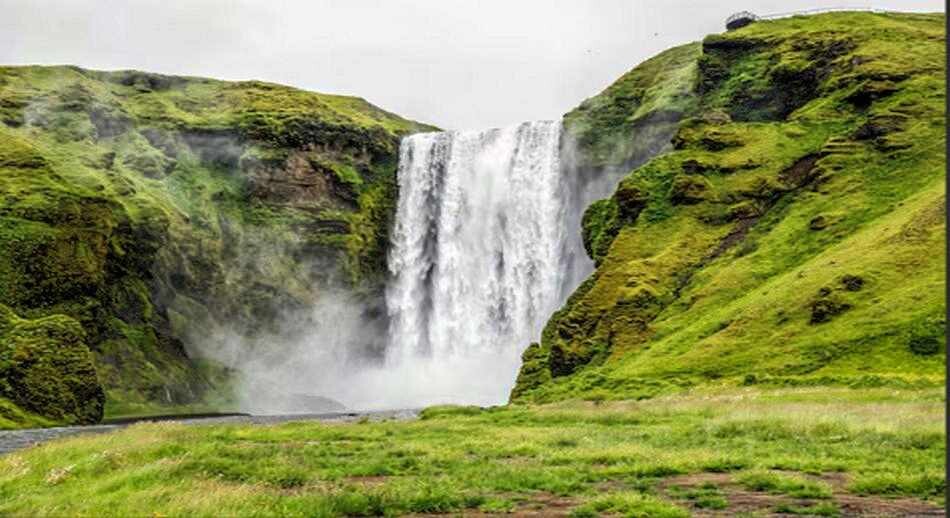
<point>135,207</point>
<point>793,232</point>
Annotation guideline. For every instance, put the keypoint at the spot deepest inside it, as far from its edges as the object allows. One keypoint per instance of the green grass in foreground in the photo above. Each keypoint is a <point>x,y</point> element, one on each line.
<point>796,450</point>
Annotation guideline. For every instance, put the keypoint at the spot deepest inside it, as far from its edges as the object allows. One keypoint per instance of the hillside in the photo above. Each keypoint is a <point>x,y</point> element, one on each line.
<point>136,209</point>
<point>790,233</point>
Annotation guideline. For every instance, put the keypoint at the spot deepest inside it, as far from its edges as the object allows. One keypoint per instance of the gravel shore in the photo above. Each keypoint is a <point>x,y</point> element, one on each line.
<point>11,440</point>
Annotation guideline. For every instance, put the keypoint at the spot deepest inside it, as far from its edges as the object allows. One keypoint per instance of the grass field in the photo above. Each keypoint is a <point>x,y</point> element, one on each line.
<point>727,451</point>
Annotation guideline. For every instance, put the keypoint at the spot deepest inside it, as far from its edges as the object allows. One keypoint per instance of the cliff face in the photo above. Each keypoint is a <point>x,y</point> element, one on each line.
<point>136,209</point>
<point>792,233</point>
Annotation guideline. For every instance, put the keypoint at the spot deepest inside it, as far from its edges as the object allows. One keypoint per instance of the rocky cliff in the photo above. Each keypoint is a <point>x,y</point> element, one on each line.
<point>137,210</point>
<point>791,231</point>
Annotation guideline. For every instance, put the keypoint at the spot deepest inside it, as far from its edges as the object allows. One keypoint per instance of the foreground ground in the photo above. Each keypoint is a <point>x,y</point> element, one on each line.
<point>730,452</point>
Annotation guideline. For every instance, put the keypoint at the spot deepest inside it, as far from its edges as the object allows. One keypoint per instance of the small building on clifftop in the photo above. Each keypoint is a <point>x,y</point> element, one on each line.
<point>740,19</point>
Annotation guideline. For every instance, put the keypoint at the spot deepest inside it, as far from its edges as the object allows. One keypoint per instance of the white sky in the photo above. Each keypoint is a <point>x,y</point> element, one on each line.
<point>454,63</point>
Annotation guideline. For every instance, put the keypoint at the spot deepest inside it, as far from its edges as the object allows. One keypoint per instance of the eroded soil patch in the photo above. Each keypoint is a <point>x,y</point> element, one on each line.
<point>761,503</point>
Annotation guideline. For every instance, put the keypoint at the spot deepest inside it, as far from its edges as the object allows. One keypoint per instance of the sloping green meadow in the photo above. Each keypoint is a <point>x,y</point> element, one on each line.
<point>747,451</point>
<point>793,233</point>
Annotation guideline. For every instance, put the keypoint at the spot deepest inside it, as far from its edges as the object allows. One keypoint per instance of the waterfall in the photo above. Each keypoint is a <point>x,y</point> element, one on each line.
<point>483,251</point>
<point>485,247</point>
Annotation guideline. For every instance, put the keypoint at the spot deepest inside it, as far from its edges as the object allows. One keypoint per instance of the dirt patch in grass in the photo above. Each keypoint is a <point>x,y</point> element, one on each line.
<point>368,480</point>
<point>539,504</point>
<point>697,479</point>
<point>545,504</point>
<point>742,501</point>
<point>799,173</point>
<point>735,236</point>
<point>851,505</point>
<point>533,505</point>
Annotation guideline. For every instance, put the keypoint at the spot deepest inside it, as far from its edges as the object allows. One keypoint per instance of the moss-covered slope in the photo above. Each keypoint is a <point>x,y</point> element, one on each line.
<point>794,233</point>
<point>144,207</point>
<point>47,368</point>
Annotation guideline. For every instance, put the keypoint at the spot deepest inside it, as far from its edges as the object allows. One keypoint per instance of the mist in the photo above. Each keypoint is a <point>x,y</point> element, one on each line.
<point>322,361</point>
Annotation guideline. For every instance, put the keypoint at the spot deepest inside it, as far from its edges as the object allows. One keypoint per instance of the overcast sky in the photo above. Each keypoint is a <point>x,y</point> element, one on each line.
<point>454,63</point>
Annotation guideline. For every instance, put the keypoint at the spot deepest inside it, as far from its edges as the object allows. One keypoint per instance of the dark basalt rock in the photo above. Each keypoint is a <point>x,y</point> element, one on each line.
<point>924,345</point>
<point>852,282</point>
<point>826,307</point>
<point>298,182</point>
<point>161,140</point>
<point>692,166</point>
<point>880,126</point>
<point>716,42</point>
<point>689,189</point>
<point>801,172</point>
<point>631,200</point>
<point>717,141</point>
<point>747,209</point>
<point>562,362</point>
<point>871,91</point>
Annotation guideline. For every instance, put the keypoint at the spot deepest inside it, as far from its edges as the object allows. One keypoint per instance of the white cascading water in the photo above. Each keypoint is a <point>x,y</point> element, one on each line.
<point>481,256</point>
